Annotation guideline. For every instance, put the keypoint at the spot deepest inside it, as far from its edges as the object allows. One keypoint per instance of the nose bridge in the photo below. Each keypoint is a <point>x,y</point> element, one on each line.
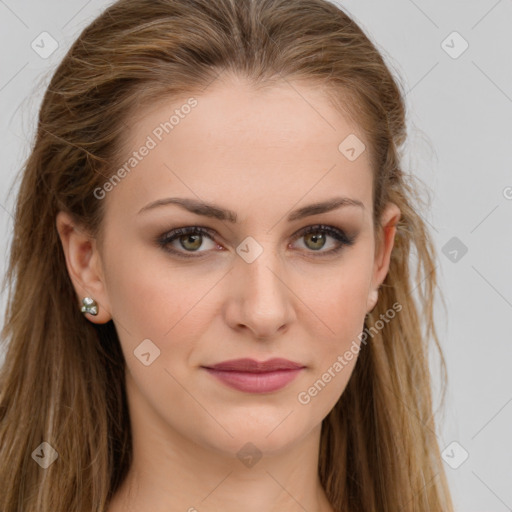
<point>262,296</point>
<point>260,275</point>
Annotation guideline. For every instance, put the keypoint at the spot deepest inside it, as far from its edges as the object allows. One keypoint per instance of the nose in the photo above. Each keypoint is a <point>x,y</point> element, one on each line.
<point>260,300</point>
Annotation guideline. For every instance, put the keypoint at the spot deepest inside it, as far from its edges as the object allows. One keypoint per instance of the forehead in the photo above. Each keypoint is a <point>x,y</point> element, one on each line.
<point>278,143</point>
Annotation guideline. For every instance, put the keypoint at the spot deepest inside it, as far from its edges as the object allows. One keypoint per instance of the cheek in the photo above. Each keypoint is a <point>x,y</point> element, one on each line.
<point>338,298</point>
<point>338,301</point>
<point>153,298</point>
<point>335,352</point>
<point>163,302</point>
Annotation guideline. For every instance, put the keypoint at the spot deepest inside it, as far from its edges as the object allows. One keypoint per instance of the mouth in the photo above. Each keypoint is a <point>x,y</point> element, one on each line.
<point>253,376</point>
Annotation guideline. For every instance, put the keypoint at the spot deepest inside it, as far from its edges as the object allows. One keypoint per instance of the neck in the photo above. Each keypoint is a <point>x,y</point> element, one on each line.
<point>264,490</point>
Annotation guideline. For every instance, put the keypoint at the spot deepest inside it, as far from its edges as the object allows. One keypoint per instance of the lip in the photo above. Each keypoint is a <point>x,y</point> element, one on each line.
<point>254,376</point>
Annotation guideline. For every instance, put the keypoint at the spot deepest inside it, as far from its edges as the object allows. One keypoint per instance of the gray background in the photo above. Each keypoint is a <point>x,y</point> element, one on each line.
<point>459,114</point>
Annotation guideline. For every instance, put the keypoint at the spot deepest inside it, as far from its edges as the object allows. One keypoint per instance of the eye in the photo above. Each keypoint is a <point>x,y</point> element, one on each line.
<point>315,238</point>
<point>190,239</point>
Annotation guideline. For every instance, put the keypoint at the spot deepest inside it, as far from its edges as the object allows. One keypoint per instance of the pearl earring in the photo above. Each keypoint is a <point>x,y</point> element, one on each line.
<point>89,305</point>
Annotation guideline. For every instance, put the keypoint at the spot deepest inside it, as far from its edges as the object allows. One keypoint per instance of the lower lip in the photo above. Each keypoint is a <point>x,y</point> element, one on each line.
<point>264,382</point>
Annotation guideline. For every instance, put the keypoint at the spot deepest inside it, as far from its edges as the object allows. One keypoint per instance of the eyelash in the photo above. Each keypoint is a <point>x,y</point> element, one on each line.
<point>339,235</point>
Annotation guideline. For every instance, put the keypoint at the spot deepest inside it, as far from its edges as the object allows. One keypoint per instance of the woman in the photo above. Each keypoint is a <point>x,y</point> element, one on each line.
<point>210,289</point>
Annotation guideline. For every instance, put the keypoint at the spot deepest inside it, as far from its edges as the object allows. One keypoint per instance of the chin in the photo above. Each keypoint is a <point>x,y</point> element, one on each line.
<point>269,437</point>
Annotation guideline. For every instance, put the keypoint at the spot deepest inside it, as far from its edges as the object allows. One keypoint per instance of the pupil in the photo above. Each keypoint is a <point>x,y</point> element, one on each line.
<point>318,238</point>
<point>192,237</point>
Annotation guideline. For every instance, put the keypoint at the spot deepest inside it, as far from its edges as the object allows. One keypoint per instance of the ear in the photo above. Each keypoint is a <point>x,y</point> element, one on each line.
<point>389,218</point>
<point>84,266</point>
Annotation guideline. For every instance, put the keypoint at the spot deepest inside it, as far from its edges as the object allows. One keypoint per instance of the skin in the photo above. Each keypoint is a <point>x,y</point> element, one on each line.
<point>262,154</point>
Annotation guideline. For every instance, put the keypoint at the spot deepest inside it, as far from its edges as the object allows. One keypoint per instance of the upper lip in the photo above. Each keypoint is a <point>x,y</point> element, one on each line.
<point>253,366</point>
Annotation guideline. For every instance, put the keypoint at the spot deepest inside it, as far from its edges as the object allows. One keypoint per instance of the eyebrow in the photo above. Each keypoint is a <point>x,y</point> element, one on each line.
<point>216,212</point>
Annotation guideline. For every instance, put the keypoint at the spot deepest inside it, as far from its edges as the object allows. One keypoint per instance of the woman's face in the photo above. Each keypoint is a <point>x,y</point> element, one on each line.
<point>253,170</point>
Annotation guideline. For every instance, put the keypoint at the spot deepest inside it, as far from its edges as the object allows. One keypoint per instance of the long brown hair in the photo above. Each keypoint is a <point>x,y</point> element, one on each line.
<point>63,377</point>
